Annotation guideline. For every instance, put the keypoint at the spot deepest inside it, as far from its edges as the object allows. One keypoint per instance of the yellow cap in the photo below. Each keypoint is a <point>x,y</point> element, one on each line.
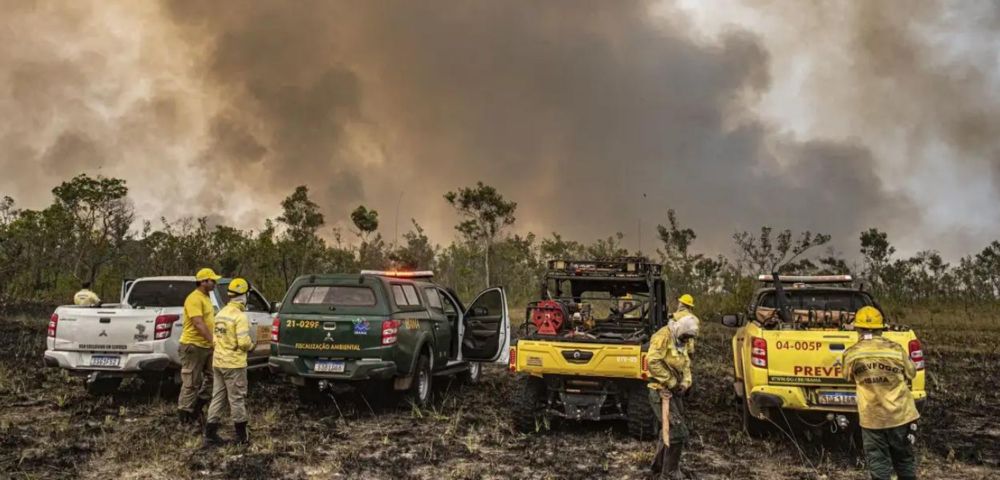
<point>206,274</point>
<point>239,286</point>
<point>869,318</point>
<point>686,299</point>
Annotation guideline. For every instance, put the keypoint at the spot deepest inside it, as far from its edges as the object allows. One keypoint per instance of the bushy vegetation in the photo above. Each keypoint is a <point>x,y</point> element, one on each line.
<point>89,234</point>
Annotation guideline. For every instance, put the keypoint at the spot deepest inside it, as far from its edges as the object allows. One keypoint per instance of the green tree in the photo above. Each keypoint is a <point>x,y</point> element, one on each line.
<point>101,217</point>
<point>486,214</point>
<point>877,255</point>
<point>300,246</point>
<point>764,254</point>
<point>416,252</point>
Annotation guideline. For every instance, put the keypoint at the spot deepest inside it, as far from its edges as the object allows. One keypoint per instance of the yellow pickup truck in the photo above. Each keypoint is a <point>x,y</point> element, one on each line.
<point>788,353</point>
<point>581,351</point>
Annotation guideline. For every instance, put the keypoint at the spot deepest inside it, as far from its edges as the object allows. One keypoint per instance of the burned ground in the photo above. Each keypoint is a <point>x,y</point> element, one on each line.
<point>50,428</point>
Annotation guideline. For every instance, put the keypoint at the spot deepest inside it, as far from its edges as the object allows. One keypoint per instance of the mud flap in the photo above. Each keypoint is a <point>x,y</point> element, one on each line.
<point>402,383</point>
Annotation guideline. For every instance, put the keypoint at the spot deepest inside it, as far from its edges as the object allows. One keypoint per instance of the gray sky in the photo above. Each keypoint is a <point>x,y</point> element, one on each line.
<point>593,116</point>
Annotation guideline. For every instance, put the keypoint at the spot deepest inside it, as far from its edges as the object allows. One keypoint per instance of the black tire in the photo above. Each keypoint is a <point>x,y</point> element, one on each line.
<point>755,427</point>
<point>472,375</point>
<point>528,406</point>
<point>642,422</point>
<point>102,386</point>
<point>309,394</point>
<point>421,391</point>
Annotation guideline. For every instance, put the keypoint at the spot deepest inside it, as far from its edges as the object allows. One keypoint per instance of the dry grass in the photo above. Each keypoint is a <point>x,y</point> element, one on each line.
<point>49,428</point>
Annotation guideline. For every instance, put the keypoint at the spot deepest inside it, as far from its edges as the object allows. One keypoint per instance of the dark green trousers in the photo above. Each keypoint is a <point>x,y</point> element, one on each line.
<point>678,427</point>
<point>889,450</point>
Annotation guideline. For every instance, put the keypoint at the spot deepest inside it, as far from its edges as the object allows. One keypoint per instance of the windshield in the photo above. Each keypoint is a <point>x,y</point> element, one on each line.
<point>159,293</point>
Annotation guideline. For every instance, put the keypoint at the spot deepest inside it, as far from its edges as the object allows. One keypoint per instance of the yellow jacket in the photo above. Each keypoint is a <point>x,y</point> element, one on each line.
<point>669,365</point>
<point>232,337</point>
<point>880,368</point>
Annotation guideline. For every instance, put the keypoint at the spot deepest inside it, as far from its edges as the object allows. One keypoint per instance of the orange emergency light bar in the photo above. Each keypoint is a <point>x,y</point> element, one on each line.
<point>398,274</point>
<point>807,278</point>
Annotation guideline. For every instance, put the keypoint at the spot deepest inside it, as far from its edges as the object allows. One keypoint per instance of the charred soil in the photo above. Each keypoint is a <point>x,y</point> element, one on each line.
<point>50,428</point>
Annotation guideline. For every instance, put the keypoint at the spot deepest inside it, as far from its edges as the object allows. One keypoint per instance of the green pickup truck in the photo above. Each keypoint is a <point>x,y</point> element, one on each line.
<point>384,330</point>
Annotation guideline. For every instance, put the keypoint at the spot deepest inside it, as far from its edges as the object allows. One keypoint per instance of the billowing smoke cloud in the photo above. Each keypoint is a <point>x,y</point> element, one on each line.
<point>594,116</point>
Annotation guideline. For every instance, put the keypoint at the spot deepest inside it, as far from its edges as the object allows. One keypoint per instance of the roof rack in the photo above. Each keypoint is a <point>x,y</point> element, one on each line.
<point>806,278</point>
<point>399,274</point>
<point>623,267</point>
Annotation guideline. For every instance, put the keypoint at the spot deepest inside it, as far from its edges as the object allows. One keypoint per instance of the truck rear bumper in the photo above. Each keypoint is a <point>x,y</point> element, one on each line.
<point>79,362</point>
<point>354,370</point>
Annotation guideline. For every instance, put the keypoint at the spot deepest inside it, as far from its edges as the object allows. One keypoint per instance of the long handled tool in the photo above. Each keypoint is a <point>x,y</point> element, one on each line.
<point>665,415</point>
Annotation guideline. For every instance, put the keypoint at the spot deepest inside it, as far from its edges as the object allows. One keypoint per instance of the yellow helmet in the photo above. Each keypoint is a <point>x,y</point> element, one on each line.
<point>206,274</point>
<point>686,299</point>
<point>238,286</point>
<point>869,318</point>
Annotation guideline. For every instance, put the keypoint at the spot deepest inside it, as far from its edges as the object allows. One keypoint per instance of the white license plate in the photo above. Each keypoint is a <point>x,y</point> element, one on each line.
<point>330,366</point>
<point>838,398</point>
<point>105,360</point>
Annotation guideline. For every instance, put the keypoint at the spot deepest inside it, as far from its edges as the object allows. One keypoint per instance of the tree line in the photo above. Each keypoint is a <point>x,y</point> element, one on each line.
<point>90,234</point>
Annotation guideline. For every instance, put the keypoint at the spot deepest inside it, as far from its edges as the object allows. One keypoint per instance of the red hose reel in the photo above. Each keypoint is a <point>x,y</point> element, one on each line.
<point>548,316</point>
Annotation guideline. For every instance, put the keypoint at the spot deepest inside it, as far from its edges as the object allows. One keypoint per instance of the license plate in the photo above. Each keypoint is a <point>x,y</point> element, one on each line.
<point>838,398</point>
<point>263,334</point>
<point>105,361</point>
<point>331,366</point>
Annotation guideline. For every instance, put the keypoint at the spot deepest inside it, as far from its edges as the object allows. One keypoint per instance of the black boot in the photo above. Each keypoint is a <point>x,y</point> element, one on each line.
<point>672,464</point>
<point>182,417</point>
<point>199,410</point>
<point>658,458</point>
<point>212,438</point>
<point>241,434</point>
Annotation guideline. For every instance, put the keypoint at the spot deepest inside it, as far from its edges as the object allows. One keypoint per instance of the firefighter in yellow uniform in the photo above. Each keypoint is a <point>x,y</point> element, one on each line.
<point>880,368</point>
<point>229,365</point>
<point>670,372</point>
<point>196,348</point>
<point>685,304</point>
<point>85,297</point>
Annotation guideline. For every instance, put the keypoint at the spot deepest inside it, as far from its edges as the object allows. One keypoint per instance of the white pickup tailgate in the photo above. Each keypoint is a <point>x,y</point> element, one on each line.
<point>111,330</point>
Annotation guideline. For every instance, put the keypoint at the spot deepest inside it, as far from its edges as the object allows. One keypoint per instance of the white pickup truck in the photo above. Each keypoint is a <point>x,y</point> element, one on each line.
<point>139,336</point>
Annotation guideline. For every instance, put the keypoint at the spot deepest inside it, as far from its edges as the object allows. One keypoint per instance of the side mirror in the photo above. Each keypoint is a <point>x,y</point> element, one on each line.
<point>732,320</point>
<point>480,312</point>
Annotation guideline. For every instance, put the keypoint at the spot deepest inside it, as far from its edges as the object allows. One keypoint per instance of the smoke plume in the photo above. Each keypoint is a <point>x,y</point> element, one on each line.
<point>594,116</point>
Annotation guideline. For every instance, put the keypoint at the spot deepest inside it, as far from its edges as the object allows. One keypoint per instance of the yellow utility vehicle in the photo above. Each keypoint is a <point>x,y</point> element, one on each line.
<point>581,351</point>
<point>788,353</point>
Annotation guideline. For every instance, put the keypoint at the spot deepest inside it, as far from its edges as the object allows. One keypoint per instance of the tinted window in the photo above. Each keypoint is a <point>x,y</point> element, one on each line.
<point>159,293</point>
<point>433,300</point>
<point>256,303</point>
<point>398,296</point>
<point>411,295</point>
<point>492,301</point>
<point>449,305</point>
<point>335,295</point>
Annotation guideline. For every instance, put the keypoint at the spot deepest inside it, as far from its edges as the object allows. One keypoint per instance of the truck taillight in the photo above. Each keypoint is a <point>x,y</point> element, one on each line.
<point>758,352</point>
<point>917,354</point>
<point>53,323</point>
<point>163,326</point>
<point>275,328</point>
<point>512,365</point>
<point>645,366</point>
<point>389,330</point>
